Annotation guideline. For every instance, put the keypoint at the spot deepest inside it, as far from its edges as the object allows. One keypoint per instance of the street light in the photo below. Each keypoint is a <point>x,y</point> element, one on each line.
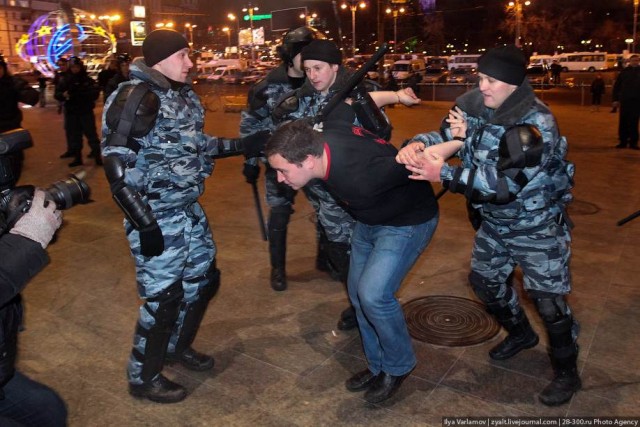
<point>353,6</point>
<point>516,5</point>
<point>110,19</point>
<point>395,12</point>
<point>251,9</point>
<point>228,31</point>
<point>165,24</point>
<point>628,42</point>
<point>190,28</point>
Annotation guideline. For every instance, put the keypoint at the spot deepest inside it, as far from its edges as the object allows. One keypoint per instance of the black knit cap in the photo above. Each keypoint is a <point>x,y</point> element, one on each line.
<point>505,63</point>
<point>161,44</point>
<point>322,50</point>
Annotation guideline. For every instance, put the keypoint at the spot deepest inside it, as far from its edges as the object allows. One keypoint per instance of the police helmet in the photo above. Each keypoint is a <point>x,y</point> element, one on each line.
<point>294,40</point>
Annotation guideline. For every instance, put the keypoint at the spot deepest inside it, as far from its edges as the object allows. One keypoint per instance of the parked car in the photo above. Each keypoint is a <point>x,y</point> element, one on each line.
<point>435,75</point>
<point>234,76</point>
<point>538,75</point>
<point>462,75</point>
<point>252,77</point>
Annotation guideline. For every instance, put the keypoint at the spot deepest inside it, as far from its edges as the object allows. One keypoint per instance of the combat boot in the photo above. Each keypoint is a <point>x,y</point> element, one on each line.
<point>194,312</point>
<point>521,336</point>
<point>191,359</point>
<point>564,357</point>
<point>160,389</point>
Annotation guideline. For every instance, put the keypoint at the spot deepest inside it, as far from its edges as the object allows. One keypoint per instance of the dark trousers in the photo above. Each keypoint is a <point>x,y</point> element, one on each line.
<point>628,124</point>
<point>78,124</point>
<point>29,403</point>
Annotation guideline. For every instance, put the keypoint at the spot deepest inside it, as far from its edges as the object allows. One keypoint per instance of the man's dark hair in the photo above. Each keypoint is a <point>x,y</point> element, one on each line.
<point>295,141</point>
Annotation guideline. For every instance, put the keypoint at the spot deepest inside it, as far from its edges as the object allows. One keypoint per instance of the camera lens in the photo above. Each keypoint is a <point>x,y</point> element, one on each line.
<point>69,192</point>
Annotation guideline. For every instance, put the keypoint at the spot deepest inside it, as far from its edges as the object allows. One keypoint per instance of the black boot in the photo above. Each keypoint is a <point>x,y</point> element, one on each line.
<point>360,381</point>
<point>348,319</point>
<point>191,359</point>
<point>521,335</point>
<point>383,387</point>
<point>564,357</point>
<point>160,390</point>
<point>278,222</point>
<point>155,386</point>
<point>194,313</point>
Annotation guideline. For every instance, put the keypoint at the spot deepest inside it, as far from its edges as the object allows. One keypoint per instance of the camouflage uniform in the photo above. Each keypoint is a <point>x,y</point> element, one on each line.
<point>262,99</point>
<point>168,172</point>
<point>334,224</point>
<point>535,220</point>
<point>529,228</point>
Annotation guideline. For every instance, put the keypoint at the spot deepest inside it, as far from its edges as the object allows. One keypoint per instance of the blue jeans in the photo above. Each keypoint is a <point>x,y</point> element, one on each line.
<point>29,403</point>
<point>381,256</point>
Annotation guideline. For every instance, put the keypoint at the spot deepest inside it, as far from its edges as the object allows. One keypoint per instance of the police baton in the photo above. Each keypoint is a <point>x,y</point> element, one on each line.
<point>256,200</point>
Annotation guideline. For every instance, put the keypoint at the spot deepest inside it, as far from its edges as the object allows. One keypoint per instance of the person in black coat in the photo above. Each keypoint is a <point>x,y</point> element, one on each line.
<point>626,96</point>
<point>13,90</point>
<point>597,90</point>
<point>23,401</point>
<point>79,93</point>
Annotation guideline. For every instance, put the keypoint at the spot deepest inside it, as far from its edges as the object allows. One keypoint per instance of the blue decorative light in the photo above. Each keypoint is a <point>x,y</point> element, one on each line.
<point>52,36</point>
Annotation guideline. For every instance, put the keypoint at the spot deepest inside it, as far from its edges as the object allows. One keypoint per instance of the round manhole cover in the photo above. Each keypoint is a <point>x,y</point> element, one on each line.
<point>449,321</point>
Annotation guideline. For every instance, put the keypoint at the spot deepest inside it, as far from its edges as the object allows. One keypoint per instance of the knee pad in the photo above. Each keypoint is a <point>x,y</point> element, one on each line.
<point>551,307</point>
<point>483,288</point>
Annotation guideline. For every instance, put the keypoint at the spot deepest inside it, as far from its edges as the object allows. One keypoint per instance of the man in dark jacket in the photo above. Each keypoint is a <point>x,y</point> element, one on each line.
<point>12,91</point>
<point>79,93</point>
<point>22,256</point>
<point>626,96</point>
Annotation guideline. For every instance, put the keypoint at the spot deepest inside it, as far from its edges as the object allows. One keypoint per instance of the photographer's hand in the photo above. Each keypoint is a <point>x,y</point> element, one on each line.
<point>40,222</point>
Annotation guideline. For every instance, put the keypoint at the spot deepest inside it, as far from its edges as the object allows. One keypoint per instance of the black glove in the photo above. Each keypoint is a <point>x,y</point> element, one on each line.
<point>151,241</point>
<point>254,144</point>
<point>251,172</point>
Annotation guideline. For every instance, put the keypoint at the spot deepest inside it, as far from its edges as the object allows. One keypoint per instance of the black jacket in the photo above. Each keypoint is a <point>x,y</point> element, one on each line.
<point>20,260</point>
<point>627,85</point>
<point>13,90</point>
<point>82,89</point>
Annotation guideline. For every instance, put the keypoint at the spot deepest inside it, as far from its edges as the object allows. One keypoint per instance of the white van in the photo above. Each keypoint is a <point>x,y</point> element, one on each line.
<point>221,72</point>
<point>582,61</point>
<point>404,68</point>
<point>463,61</point>
<point>540,60</point>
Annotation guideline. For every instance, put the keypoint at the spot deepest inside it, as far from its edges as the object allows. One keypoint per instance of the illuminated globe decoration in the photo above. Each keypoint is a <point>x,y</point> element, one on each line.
<point>57,34</point>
